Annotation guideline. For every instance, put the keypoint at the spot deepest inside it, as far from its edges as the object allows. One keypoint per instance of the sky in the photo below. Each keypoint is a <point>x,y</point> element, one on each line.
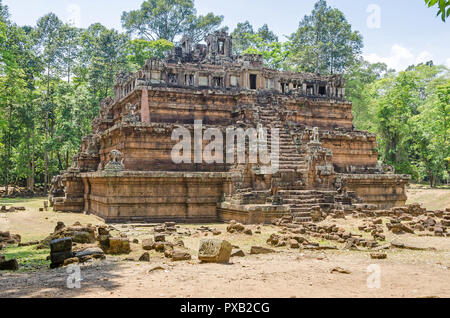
<point>396,32</point>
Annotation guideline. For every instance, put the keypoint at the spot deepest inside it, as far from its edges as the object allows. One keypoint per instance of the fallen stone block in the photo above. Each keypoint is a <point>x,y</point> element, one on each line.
<point>119,246</point>
<point>255,250</point>
<point>28,244</point>
<point>237,253</point>
<point>148,244</point>
<point>58,258</point>
<point>92,251</point>
<point>274,239</point>
<point>83,237</point>
<point>59,226</point>
<point>61,245</point>
<point>180,254</point>
<point>160,238</point>
<point>162,247</point>
<point>398,244</point>
<point>235,227</point>
<point>102,230</point>
<point>294,243</point>
<point>11,265</point>
<point>145,257</point>
<point>70,261</point>
<point>378,255</point>
<point>214,251</point>
<point>340,270</point>
<point>156,268</point>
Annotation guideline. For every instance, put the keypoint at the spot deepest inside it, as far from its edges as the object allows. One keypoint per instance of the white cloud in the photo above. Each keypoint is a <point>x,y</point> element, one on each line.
<point>400,58</point>
<point>447,63</point>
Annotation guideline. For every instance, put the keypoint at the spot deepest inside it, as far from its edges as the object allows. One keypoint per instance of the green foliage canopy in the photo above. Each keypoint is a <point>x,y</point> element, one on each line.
<point>167,19</point>
<point>444,7</point>
<point>324,42</point>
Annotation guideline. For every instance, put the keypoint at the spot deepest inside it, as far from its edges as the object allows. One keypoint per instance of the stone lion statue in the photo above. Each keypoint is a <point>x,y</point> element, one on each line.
<point>115,163</point>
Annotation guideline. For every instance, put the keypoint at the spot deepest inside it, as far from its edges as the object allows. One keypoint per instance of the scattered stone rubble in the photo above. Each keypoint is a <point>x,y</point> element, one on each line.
<point>61,253</point>
<point>19,192</point>
<point>11,209</point>
<point>78,233</point>
<point>8,265</point>
<point>6,238</point>
<point>236,227</point>
<point>401,220</point>
<point>79,244</point>
<point>173,250</point>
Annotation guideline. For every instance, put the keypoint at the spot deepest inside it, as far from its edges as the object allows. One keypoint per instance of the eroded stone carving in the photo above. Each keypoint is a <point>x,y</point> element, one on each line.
<point>115,164</point>
<point>131,117</point>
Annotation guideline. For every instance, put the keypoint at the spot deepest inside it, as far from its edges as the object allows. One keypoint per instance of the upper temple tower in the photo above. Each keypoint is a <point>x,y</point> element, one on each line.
<point>219,44</point>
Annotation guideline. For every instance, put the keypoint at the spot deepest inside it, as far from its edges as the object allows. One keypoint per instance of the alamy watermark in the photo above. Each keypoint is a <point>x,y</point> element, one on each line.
<point>374,279</point>
<point>234,149</point>
<point>74,279</point>
<point>374,18</point>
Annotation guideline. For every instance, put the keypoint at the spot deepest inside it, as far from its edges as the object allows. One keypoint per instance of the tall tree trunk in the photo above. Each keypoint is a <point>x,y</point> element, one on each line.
<point>46,131</point>
<point>33,166</point>
<point>58,155</point>
<point>8,151</point>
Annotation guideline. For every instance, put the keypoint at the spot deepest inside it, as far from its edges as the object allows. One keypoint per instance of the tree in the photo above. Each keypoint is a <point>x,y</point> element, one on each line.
<point>167,19</point>
<point>103,56</point>
<point>241,37</point>
<point>139,51</point>
<point>444,7</point>
<point>398,102</point>
<point>48,34</point>
<point>244,37</point>
<point>264,42</point>
<point>274,53</point>
<point>360,90</point>
<point>12,87</point>
<point>324,42</point>
<point>431,128</point>
<point>4,14</point>
<point>70,49</point>
<point>412,121</point>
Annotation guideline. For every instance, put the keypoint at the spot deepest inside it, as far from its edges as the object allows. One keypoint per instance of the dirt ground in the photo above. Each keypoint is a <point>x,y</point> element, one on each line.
<point>432,199</point>
<point>285,273</point>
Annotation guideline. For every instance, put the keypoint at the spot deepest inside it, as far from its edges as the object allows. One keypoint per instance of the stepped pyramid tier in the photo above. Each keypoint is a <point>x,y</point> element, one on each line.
<point>125,171</point>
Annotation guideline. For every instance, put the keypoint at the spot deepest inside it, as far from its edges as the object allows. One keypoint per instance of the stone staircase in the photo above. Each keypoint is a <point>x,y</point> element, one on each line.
<point>292,175</point>
<point>302,201</point>
<point>290,159</point>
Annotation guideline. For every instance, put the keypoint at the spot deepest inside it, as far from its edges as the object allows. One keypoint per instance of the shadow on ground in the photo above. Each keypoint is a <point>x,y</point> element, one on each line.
<point>54,283</point>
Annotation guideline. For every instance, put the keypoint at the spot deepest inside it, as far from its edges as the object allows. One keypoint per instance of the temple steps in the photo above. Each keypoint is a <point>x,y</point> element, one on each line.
<point>302,201</point>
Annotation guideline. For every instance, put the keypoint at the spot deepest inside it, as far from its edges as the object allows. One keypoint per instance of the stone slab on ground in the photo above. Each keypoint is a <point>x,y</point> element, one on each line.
<point>214,251</point>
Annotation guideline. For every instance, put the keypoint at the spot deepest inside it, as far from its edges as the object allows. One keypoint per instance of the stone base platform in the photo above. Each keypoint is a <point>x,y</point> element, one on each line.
<point>383,190</point>
<point>69,205</point>
<point>251,214</point>
<point>132,196</point>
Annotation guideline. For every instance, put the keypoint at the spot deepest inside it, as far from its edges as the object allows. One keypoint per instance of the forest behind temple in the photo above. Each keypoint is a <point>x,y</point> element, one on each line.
<point>53,76</point>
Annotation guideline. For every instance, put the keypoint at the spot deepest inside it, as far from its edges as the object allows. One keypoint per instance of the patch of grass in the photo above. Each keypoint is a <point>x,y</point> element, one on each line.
<point>15,200</point>
<point>36,202</point>
<point>28,257</point>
